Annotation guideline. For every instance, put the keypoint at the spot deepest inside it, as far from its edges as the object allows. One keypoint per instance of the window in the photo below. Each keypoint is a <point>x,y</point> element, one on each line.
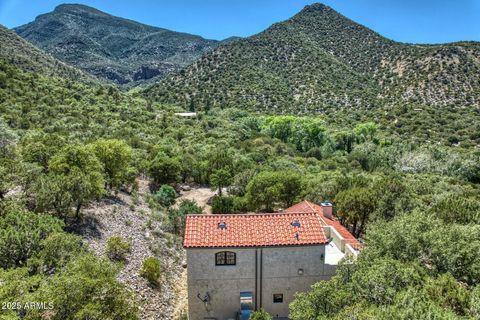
<point>278,298</point>
<point>225,258</point>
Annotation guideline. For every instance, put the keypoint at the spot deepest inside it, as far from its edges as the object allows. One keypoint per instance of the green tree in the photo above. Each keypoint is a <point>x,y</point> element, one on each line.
<point>81,173</point>
<point>354,206</point>
<point>366,131</point>
<point>267,189</point>
<point>115,157</point>
<point>220,179</point>
<point>164,169</point>
<point>87,289</point>
<point>344,140</point>
<point>56,251</point>
<point>21,235</point>
<point>456,208</point>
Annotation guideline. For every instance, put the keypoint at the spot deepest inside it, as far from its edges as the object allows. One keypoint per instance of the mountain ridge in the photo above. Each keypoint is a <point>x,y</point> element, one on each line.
<point>320,59</point>
<point>115,48</point>
<point>19,52</point>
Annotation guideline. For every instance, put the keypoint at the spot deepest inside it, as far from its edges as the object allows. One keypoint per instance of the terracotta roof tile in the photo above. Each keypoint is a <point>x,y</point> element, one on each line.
<point>253,230</point>
<point>306,206</point>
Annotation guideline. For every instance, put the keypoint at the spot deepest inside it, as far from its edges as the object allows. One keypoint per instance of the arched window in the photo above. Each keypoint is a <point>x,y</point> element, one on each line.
<point>225,258</point>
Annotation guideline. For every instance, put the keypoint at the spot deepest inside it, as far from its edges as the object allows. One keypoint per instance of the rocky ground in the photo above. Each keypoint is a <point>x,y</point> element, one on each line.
<point>131,217</point>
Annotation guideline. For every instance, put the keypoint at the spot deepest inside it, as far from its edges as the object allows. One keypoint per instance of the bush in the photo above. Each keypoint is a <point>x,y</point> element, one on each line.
<point>86,288</point>
<point>166,196</point>
<point>223,205</point>
<point>260,315</point>
<point>21,234</point>
<point>151,270</point>
<point>176,217</point>
<point>57,250</point>
<point>118,248</point>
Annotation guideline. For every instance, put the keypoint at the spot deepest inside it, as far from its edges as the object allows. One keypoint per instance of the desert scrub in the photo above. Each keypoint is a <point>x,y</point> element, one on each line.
<point>118,248</point>
<point>150,270</point>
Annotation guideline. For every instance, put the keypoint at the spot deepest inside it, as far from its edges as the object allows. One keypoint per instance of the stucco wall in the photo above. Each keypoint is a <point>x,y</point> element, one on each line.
<point>277,266</point>
<point>223,283</point>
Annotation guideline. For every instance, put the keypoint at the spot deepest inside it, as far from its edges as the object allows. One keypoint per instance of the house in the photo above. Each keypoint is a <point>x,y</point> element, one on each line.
<point>240,263</point>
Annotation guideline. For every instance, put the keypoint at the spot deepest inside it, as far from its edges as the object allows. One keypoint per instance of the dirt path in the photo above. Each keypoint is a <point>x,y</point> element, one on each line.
<point>200,196</point>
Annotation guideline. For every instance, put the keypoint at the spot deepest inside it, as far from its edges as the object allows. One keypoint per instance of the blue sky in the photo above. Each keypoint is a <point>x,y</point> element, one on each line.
<point>417,21</point>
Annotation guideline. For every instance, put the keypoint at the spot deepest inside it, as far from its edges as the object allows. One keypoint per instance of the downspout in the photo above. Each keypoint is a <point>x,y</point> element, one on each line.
<point>261,276</point>
<point>256,278</point>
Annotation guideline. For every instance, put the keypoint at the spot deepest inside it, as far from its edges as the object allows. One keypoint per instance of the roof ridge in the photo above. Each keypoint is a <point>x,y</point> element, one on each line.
<point>250,214</point>
<point>310,205</point>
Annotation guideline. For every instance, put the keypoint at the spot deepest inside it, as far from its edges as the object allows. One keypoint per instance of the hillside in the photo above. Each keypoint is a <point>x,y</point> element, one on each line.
<point>16,51</point>
<point>320,59</point>
<point>111,47</point>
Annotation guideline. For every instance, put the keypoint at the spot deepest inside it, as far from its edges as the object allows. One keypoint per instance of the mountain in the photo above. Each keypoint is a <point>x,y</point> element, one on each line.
<point>16,51</point>
<point>110,47</point>
<point>319,60</point>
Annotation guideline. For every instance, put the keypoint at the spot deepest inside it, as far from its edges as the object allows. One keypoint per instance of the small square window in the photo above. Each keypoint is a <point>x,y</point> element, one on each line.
<point>278,298</point>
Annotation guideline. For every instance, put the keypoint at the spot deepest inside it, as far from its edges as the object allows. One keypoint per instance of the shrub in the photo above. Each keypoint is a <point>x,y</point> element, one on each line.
<point>87,288</point>
<point>260,315</point>
<point>151,270</point>
<point>166,196</point>
<point>21,233</point>
<point>223,205</point>
<point>176,217</point>
<point>118,248</point>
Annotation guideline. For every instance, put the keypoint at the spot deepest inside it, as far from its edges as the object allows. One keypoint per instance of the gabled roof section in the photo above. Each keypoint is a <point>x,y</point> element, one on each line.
<point>308,207</point>
<point>253,230</point>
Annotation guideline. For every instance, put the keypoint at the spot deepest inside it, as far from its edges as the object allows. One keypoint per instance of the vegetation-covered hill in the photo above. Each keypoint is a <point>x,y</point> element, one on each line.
<point>405,179</point>
<point>318,60</point>
<point>110,47</point>
<point>27,57</point>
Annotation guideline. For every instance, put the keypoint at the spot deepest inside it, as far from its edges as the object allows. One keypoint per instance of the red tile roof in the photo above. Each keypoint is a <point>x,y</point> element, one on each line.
<point>308,207</point>
<point>253,230</point>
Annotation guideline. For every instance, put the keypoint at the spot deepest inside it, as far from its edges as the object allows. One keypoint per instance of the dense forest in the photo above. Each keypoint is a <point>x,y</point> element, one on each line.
<point>404,179</point>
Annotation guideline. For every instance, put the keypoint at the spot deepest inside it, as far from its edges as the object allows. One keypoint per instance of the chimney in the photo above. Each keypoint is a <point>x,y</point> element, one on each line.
<point>327,208</point>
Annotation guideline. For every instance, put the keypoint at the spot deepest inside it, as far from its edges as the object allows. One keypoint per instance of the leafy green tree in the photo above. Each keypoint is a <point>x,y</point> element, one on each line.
<point>115,157</point>
<point>51,193</point>
<point>267,189</point>
<point>220,179</point>
<point>438,246</point>
<point>56,251</point>
<point>21,235</point>
<point>366,131</point>
<point>164,169</point>
<point>166,196</point>
<point>81,173</point>
<point>87,289</point>
<point>151,270</point>
<point>456,208</point>
<point>38,147</point>
<point>392,197</point>
<point>354,206</point>
<point>344,140</point>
